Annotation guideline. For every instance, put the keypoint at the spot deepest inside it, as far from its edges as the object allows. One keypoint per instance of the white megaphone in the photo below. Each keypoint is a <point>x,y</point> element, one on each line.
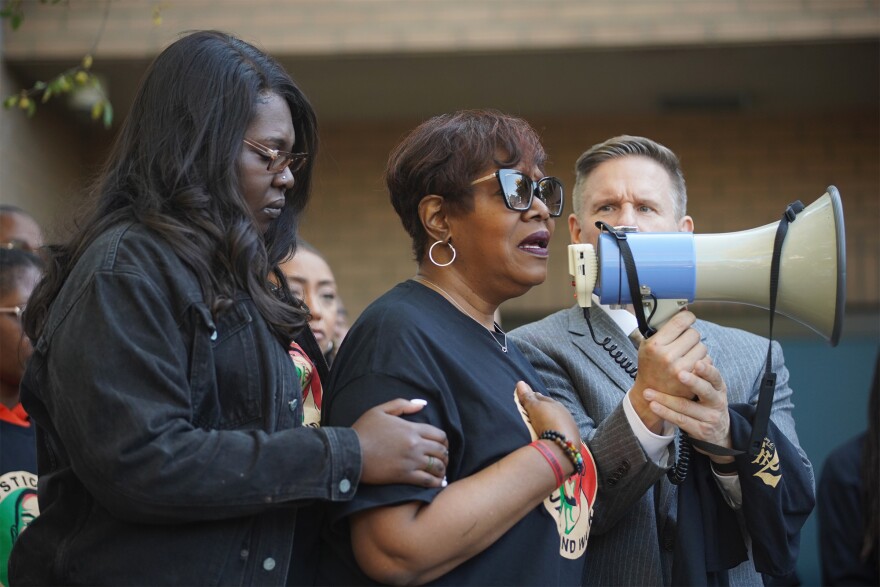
<point>680,267</point>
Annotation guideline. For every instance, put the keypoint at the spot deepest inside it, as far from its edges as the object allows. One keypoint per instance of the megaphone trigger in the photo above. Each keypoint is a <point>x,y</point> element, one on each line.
<point>582,267</point>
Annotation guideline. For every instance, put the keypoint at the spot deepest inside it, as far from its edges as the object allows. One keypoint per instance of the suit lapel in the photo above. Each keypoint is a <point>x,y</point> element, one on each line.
<point>603,327</point>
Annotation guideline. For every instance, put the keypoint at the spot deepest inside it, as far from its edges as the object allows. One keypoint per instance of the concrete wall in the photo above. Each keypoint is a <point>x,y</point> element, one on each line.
<point>351,26</point>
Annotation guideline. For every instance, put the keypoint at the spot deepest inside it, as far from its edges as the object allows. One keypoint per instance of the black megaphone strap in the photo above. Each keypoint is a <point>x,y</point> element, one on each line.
<point>768,381</point>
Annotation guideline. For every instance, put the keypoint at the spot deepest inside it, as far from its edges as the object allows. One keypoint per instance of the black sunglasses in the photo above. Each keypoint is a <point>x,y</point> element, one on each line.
<point>519,189</point>
<point>17,244</point>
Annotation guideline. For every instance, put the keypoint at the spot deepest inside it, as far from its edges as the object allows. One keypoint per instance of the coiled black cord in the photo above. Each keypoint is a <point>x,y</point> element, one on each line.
<point>679,470</point>
<point>678,473</point>
<point>625,362</point>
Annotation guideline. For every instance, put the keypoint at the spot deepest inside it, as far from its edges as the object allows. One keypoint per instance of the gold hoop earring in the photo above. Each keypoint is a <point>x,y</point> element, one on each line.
<point>431,253</point>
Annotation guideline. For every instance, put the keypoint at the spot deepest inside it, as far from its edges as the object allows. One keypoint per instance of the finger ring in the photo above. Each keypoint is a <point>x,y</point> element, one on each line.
<point>430,466</point>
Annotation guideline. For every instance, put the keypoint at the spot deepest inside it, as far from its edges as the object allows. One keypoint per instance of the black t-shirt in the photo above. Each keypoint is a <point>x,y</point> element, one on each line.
<point>412,343</point>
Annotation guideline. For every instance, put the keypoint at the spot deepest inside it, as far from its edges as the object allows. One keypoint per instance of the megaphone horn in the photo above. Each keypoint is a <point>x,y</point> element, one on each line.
<point>678,268</point>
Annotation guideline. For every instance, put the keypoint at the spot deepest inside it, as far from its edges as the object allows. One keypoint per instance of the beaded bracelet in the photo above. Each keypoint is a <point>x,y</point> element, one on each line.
<point>570,450</point>
<point>551,460</point>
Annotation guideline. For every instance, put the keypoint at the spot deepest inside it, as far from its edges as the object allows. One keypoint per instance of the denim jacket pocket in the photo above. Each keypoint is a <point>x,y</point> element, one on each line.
<point>225,395</point>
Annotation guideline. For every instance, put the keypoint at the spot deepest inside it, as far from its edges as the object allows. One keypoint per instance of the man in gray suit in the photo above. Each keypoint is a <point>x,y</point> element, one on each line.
<point>629,420</point>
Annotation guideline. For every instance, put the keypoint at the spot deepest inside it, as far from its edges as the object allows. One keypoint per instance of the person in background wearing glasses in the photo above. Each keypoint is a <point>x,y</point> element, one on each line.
<point>19,273</point>
<point>647,530</point>
<point>469,190</point>
<point>18,230</point>
<point>169,418</point>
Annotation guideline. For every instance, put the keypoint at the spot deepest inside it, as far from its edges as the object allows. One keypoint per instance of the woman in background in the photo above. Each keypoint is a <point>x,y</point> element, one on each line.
<point>311,280</point>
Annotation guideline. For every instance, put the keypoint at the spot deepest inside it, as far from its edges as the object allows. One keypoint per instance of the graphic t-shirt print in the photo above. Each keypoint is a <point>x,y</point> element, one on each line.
<point>18,508</point>
<point>571,504</point>
<point>310,384</point>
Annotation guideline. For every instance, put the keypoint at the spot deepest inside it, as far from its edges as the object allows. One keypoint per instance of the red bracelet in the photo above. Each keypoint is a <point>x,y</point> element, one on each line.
<point>552,460</point>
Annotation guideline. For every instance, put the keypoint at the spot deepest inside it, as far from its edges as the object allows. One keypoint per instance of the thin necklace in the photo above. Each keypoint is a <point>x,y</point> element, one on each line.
<point>466,313</point>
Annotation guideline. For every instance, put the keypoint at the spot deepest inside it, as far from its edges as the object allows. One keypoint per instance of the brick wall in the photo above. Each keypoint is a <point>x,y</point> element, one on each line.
<point>741,171</point>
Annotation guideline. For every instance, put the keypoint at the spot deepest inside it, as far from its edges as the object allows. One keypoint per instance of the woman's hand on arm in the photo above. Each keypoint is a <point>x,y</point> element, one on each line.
<point>415,542</point>
<point>545,413</point>
<point>396,450</point>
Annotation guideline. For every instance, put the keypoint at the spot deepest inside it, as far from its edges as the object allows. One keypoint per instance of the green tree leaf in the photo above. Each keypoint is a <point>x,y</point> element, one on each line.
<point>97,109</point>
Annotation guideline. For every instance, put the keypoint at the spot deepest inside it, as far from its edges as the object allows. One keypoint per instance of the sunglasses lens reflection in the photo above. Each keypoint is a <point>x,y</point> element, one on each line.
<point>550,192</point>
<point>517,190</point>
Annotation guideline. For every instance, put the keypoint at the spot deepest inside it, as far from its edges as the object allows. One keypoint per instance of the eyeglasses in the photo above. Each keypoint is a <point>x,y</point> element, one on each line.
<point>16,244</point>
<point>16,310</point>
<point>278,160</point>
<point>519,189</point>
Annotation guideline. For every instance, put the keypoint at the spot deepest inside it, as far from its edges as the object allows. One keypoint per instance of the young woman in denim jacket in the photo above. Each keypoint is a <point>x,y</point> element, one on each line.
<point>170,441</point>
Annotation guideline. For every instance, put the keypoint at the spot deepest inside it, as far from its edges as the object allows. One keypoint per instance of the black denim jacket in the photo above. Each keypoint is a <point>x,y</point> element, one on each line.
<point>170,446</point>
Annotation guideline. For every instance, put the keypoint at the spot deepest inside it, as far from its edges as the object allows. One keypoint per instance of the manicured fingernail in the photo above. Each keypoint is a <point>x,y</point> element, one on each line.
<point>649,394</point>
<point>419,402</point>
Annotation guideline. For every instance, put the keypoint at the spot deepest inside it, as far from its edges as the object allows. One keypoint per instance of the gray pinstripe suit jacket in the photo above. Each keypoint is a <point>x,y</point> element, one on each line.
<point>633,533</point>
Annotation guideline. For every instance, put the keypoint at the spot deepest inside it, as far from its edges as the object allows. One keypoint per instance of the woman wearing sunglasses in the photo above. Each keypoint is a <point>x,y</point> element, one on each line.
<point>470,191</point>
<point>169,413</point>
